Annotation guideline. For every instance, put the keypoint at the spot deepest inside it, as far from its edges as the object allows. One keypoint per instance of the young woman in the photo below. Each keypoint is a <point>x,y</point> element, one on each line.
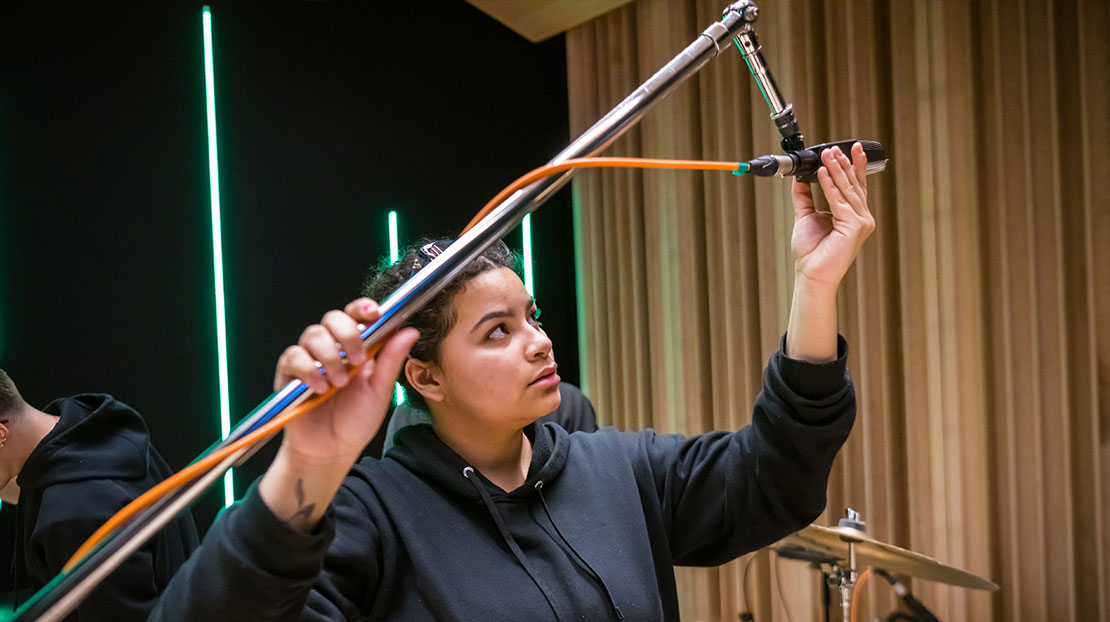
<point>484,515</point>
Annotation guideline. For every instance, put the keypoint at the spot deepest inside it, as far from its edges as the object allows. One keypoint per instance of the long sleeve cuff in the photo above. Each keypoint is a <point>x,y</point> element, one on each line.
<point>816,384</point>
<point>274,545</point>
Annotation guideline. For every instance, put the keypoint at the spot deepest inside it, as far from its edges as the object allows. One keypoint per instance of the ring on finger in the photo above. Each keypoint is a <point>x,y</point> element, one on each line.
<point>342,353</point>
<point>320,367</point>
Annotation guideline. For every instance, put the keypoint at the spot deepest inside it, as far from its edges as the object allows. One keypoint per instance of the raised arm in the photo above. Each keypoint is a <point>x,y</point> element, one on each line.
<point>264,555</point>
<point>319,448</point>
<point>725,494</point>
<point>824,245</point>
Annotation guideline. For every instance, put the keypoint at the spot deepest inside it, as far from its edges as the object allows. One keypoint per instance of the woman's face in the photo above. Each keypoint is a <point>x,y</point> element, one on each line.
<point>496,363</point>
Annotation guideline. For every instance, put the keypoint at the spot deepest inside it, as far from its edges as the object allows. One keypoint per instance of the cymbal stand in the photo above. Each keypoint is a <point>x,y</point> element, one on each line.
<point>845,578</point>
<point>824,563</point>
<point>842,579</point>
<point>827,585</point>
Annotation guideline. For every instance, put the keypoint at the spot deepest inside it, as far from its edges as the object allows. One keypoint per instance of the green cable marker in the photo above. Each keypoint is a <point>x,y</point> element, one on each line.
<point>752,70</point>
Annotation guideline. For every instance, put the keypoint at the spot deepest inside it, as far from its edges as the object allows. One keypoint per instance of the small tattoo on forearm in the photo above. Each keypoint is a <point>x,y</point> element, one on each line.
<point>303,511</point>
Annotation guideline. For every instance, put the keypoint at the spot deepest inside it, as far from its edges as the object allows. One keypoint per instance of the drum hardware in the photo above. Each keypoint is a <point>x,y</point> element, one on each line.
<point>841,552</point>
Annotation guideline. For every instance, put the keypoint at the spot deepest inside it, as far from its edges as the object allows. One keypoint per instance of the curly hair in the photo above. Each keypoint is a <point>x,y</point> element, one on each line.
<point>435,319</point>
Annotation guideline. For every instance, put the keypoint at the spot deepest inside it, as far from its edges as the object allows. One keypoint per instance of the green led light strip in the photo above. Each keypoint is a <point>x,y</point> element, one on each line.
<point>580,287</point>
<point>217,249</point>
<point>526,231</point>
<point>394,244</point>
<point>4,245</point>
<point>394,255</point>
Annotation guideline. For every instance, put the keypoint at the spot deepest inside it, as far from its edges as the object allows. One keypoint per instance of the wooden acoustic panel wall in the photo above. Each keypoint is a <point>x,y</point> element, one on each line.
<point>978,314</point>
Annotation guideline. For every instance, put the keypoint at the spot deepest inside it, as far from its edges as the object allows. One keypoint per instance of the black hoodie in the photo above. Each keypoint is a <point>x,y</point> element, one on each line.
<point>97,459</point>
<point>593,534</point>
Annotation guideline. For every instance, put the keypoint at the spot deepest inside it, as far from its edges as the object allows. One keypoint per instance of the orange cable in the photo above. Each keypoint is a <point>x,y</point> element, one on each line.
<point>551,169</point>
<point>191,472</point>
<point>194,470</point>
<point>863,577</point>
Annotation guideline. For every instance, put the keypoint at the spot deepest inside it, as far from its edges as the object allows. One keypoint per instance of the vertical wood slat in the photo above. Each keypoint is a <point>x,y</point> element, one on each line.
<point>1078,340</point>
<point>580,58</point>
<point>905,182</point>
<point>1048,280</point>
<point>977,314</point>
<point>991,150</point>
<point>1093,532</point>
<point>927,483</point>
<point>1030,555</point>
<point>966,410</point>
<point>610,42</point>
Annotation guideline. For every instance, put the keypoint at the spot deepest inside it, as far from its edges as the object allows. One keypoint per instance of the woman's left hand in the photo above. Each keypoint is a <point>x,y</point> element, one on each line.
<point>826,243</point>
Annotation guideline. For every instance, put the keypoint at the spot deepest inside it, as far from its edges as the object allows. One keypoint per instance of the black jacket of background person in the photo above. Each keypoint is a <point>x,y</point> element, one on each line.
<point>97,459</point>
<point>601,520</point>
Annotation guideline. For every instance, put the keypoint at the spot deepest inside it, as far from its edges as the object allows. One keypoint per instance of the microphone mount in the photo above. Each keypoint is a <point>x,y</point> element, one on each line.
<point>782,112</point>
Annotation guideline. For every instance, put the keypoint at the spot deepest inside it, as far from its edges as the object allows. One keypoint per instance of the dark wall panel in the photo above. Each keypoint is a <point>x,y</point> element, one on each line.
<point>329,116</point>
<point>103,186</point>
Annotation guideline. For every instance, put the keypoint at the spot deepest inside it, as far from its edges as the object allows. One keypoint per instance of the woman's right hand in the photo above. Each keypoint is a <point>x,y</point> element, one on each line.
<point>320,446</point>
<point>341,427</point>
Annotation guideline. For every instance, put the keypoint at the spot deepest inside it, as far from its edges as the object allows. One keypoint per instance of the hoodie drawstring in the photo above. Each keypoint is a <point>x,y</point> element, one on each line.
<point>604,586</point>
<point>513,546</point>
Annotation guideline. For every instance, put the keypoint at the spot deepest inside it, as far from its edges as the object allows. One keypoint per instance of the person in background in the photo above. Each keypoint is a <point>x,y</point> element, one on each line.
<point>68,468</point>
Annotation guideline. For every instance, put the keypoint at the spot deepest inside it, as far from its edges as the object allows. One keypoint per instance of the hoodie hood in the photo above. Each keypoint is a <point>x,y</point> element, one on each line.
<point>90,427</point>
<point>95,460</point>
<point>419,450</point>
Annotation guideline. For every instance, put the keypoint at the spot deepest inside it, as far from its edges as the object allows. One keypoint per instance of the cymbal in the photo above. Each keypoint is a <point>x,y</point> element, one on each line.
<point>833,541</point>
